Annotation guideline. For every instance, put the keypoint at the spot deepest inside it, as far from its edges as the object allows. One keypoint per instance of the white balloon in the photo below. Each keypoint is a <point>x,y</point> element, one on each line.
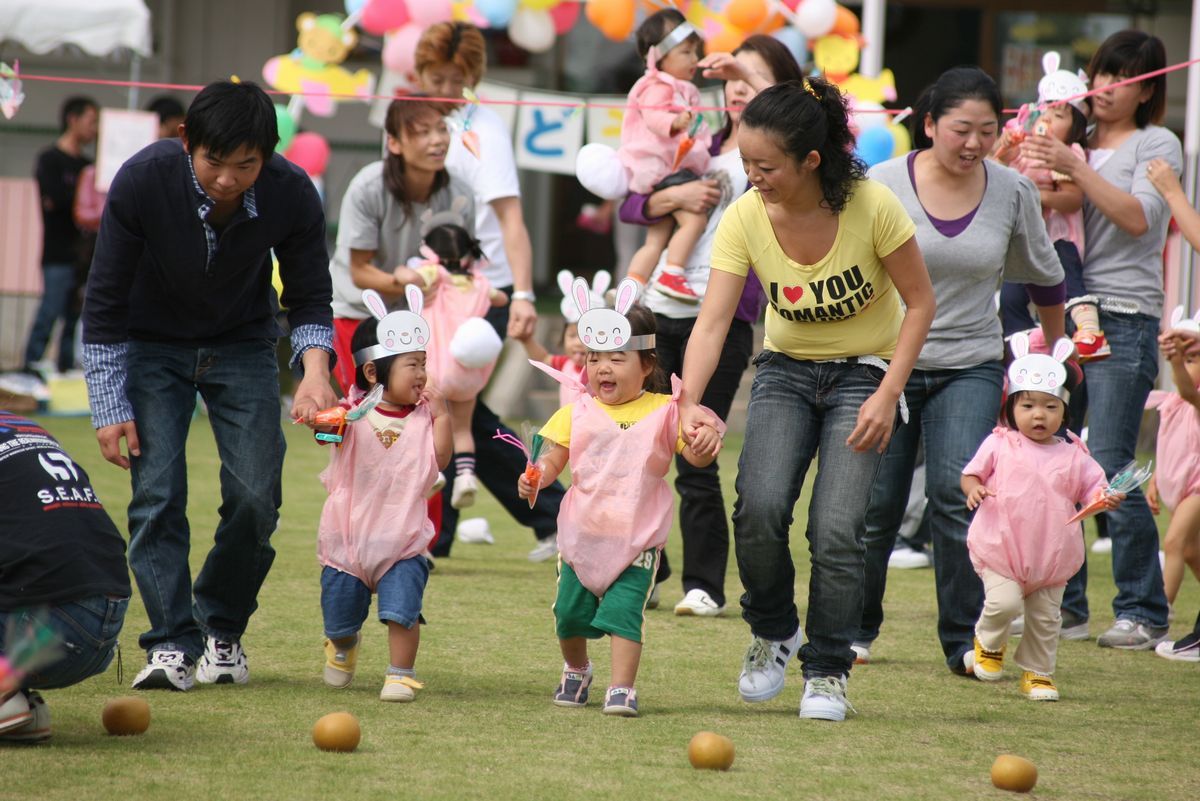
<point>867,115</point>
<point>601,172</point>
<point>532,30</point>
<point>794,40</point>
<point>475,344</point>
<point>815,18</point>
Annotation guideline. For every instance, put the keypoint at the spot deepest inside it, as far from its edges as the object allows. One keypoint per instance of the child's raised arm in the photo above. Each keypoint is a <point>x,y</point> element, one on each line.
<point>1184,384</point>
<point>534,349</point>
<point>1165,181</point>
<point>704,447</point>
<point>443,433</point>
<point>1063,196</point>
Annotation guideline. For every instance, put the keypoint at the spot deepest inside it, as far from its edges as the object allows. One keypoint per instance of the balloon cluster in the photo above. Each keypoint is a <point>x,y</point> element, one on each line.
<point>532,24</point>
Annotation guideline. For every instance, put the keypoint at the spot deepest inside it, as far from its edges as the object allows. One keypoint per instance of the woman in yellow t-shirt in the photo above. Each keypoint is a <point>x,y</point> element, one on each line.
<point>836,255</point>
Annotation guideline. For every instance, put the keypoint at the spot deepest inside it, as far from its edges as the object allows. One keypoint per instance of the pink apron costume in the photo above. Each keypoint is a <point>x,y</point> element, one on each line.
<point>458,367</point>
<point>376,515</point>
<point>1178,451</point>
<point>1022,532</point>
<point>647,145</point>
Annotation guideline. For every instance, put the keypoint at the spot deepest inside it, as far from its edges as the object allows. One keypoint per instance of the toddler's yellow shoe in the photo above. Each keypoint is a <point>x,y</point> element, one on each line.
<point>1038,686</point>
<point>989,665</point>
<point>339,664</point>
<point>399,688</point>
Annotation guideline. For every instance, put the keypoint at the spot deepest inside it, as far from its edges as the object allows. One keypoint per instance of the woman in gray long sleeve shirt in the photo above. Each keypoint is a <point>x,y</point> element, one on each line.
<point>978,223</point>
<point>1125,224</point>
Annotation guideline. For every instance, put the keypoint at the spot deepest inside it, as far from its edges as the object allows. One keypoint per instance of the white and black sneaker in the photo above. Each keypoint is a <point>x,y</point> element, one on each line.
<point>166,670</point>
<point>765,665</point>
<point>223,662</point>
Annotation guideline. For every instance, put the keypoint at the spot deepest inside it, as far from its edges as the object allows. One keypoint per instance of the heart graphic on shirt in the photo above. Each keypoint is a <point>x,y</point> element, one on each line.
<point>793,293</point>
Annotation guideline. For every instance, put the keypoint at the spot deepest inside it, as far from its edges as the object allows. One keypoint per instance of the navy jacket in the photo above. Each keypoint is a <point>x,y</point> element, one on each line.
<point>152,278</point>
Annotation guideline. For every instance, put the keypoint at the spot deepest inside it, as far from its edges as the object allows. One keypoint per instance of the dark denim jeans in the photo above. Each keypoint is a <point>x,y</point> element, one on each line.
<point>497,466</point>
<point>950,412</point>
<point>58,302</point>
<point>797,409</point>
<point>240,386</point>
<point>88,629</point>
<point>703,520</point>
<point>1113,398</point>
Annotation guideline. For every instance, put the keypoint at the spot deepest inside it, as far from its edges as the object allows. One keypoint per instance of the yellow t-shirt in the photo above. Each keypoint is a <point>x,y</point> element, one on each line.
<point>558,427</point>
<point>845,304</point>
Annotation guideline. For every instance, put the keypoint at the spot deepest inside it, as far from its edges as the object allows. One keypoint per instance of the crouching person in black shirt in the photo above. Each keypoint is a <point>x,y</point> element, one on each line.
<point>60,555</point>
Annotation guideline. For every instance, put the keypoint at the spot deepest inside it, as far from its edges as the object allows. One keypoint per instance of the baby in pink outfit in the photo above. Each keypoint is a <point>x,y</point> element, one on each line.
<point>1024,484</point>
<point>661,145</point>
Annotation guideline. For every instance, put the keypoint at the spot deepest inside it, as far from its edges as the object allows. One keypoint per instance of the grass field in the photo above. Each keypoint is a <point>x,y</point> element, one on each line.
<point>484,726</point>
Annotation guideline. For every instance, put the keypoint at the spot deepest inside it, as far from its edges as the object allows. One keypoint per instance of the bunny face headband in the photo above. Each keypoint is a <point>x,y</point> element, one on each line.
<point>1036,372</point>
<point>600,283</point>
<point>603,329</point>
<point>1059,84</point>
<point>398,331</point>
<point>1182,322</point>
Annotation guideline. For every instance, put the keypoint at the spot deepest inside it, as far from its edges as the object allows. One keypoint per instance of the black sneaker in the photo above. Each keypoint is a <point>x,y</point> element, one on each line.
<point>573,688</point>
<point>166,670</point>
<point>621,701</point>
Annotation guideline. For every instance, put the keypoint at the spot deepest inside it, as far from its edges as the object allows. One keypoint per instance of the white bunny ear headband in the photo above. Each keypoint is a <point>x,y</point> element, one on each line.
<point>1180,320</point>
<point>1059,84</point>
<point>603,329</point>
<point>1036,372</point>
<point>600,283</point>
<point>398,331</point>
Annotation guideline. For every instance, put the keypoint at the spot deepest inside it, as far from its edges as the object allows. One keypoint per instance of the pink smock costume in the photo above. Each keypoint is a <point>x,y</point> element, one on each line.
<point>451,306</point>
<point>1177,457</point>
<point>376,513</point>
<point>1059,225</point>
<point>647,145</point>
<point>619,503</point>
<point>1022,532</point>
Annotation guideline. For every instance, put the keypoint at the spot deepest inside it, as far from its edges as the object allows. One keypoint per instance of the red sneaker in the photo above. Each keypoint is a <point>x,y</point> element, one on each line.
<point>590,219</point>
<point>1091,346</point>
<point>674,285</point>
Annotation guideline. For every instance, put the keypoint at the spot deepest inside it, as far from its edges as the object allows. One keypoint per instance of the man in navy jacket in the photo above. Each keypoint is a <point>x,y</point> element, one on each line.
<point>179,301</point>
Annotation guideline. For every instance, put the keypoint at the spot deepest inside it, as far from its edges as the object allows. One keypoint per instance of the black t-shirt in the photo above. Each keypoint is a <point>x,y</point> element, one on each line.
<point>56,175</point>
<point>57,543</point>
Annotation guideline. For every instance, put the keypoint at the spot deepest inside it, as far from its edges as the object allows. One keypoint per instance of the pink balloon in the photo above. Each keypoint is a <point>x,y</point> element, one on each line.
<point>430,12</point>
<point>309,152</point>
<point>565,15</point>
<point>400,48</point>
<point>381,16</point>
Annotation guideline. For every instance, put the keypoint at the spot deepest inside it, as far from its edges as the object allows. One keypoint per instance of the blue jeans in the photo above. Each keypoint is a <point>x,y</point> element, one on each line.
<point>1113,397</point>
<point>240,385</point>
<point>58,301</point>
<point>88,629</point>
<point>798,408</point>
<point>346,600</point>
<point>950,412</point>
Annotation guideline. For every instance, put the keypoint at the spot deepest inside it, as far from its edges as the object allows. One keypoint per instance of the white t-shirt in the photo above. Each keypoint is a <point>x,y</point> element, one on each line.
<point>726,169</point>
<point>492,176</point>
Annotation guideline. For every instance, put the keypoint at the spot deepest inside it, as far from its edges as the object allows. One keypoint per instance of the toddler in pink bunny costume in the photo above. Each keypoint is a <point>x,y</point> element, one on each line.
<point>619,437</point>
<point>1024,484</point>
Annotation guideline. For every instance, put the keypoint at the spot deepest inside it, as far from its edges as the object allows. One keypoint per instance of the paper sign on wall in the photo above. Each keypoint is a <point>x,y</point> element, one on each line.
<point>548,137</point>
<point>500,99</point>
<point>123,133</point>
<point>604,124</point>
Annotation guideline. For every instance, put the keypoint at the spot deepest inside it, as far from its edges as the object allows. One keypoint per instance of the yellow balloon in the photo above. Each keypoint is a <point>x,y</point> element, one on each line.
<point>902,138</point>
<point>539,5</point>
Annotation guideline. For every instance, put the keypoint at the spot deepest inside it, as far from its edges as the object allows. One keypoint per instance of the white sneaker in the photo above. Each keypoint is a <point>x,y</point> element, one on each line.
<point>545,549</point>
<point>465,488</point>
<point>905,558</point>
<point>653,600</point>
<point>475,530</point>
<point>825,698</point>
<point>699,603</point>
<point>400,689</point>
<point>222,663</point>
<point>166,670</point>
<point>862,654</point>
<point>1017,627</point>
<point>15,712</point>
<point>765,665</point>
<point>439,483</point>
<point>37,729</point>
<point>1102,545</point>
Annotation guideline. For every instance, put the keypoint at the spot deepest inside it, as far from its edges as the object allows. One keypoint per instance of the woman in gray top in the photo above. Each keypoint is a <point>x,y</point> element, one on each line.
<point>1125,226</point>
<point>978,223</point>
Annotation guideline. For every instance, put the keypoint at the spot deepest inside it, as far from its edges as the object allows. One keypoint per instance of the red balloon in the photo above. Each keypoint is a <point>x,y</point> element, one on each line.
<point>381,16</point>
<point>565,15</point>
<point>309,152</point>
